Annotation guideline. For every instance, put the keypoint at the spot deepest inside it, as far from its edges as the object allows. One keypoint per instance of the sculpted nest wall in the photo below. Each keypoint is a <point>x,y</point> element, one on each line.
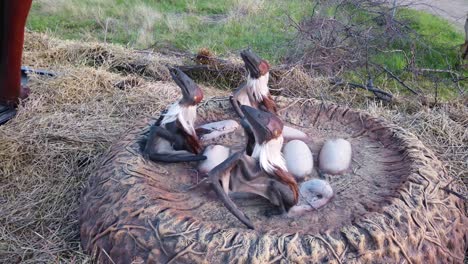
<point>389,209</point>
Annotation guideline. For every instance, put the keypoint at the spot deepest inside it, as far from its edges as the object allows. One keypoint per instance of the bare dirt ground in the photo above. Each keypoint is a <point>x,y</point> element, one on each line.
<point>454,11</point>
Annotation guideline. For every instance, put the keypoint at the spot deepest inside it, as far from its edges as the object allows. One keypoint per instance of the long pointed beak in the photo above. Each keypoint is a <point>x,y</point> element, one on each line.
<point>265,125</point>
<point>191,93</point>
<point>252,63</point>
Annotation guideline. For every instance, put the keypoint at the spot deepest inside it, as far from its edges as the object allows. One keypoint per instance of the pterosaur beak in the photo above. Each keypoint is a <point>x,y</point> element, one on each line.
<point>265,125</point>
<point>252,63</point>
<point>191,93</point>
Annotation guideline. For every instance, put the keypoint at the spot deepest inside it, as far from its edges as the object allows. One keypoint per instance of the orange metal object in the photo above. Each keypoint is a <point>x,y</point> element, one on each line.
<point>13,14</point>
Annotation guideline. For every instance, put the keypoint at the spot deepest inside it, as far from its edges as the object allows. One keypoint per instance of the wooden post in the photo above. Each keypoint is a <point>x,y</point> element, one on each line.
<point>464,47</point>
<point>13,14</point>
<point>394,7</point>
<point>466,28</point>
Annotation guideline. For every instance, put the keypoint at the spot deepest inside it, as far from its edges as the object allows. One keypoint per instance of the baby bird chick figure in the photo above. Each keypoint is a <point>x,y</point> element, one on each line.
<point>173,138</point>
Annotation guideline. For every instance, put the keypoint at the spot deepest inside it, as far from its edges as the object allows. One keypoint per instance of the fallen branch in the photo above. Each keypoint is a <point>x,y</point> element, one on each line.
<point>436,70</point>
<point>382,95</point>
<point>208,67</point>
<point>229,74</point>
<point>397,79</point>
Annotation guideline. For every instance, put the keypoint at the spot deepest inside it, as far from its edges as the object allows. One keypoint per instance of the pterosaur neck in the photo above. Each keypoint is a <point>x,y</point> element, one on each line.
<point>186,115</point>
<point>258,87</point>
<point>269,155</point>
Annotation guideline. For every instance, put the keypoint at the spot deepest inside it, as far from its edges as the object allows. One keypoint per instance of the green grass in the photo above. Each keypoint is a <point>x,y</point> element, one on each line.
<point>221,26</point>
<point>432,42</point>
<point>228,26</point>
<point>437,48</point>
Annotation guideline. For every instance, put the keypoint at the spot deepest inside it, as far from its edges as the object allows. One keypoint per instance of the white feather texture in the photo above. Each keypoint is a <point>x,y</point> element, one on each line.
<point>298,158</point>
<point>258,87</point>
<point>269,155</point>
<point>186,115</point>
<point>335,156</point>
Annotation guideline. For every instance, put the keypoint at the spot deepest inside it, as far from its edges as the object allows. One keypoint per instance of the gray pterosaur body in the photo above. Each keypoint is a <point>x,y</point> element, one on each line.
<point>263,172</point>
<point>173,138</point>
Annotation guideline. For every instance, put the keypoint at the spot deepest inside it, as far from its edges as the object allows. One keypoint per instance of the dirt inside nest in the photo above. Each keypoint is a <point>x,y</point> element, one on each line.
<point>376,174</point>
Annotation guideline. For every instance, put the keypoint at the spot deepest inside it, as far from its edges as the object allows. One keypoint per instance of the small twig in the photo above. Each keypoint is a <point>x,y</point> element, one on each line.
<point>107,255</point>
<point>382,95</point>
<point>156,233</point>
<point>106,30</point>
<point>294,23</point>
<point>455,193</point>
<point>397,79</point>
<point>198,185</point>
<point>183,233</point>
<point>188,249</point>
<point>226,249</point>
<point>437,71</point>
<point>330,248</point>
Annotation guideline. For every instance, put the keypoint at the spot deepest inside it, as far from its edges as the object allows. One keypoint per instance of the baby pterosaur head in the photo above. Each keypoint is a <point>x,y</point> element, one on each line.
<point>255,65</point>
<point>191,93</point>
<point>265,125</point>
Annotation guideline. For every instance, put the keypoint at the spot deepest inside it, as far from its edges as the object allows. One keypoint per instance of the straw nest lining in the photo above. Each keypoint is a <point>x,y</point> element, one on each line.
<point>136,210</point>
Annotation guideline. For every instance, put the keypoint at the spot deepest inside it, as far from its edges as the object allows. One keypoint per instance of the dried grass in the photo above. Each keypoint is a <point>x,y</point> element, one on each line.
<point>44,52</point>
<point>241,8</point>
<point>443,129</point>
<point>62,130</point>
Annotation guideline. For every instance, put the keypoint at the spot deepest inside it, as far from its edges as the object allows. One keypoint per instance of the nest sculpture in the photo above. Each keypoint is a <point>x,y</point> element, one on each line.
<point>390,208</point>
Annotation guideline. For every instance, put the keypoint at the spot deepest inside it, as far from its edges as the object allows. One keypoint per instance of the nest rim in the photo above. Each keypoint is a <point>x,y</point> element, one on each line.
<point>369,238</point>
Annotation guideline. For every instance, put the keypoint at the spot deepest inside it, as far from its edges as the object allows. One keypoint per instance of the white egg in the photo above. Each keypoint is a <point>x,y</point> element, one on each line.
<point>292,133</point>
<point>335,156</point>
<point>215,155</point>
<point>298,157</point>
